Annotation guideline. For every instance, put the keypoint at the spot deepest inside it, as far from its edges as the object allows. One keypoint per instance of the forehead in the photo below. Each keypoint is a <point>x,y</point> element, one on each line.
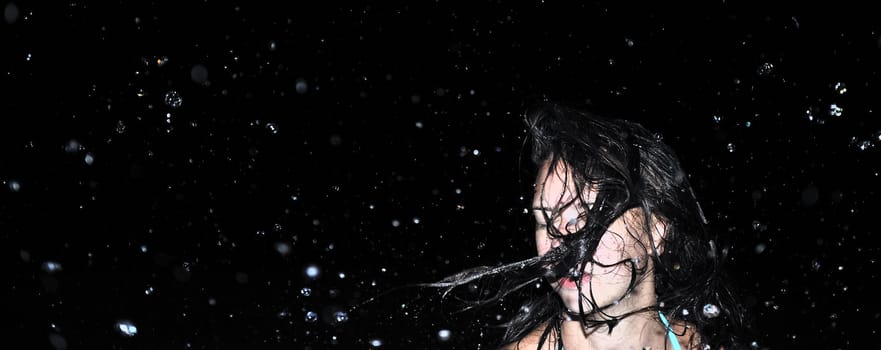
<point>556,185</point>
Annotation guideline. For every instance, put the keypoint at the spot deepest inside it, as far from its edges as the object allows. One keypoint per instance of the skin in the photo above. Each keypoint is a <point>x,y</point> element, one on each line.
<point>625,239</point>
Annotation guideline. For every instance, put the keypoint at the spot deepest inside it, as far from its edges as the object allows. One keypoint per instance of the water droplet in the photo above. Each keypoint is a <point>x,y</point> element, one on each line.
<point>416,220</point>
<point>306,291</point>
<point>51,267</point>
<point>212,301</point>
<point>14,186</point>
<point>272,127</point>
<point>711,310</point>
<point>272,45</point>
<point>760,248</point>
<point>126,328</point>
<point>476,152</point>
<point>57,341</point>
<point>342,275</point>
<point>730,147</point>
<point>72,146</point>
<point>765,69</point>
<point>301,86</point>
<point>10,13</point>
<point>835,111</point>
<point>840,88</point>
<point>282,248</point>
<point>311,316</point>
<point>312,271</point>
<point>685,312</point>
<point>419,125</point>
<point>199,74</point>
<point>173,99</point>
<point>340,316</point>
<point>629,42</point>
<point>149,291</point>
<point>376,342</point>
<point>443,335</point>
<point>396,223</point>
<point>89,159</point>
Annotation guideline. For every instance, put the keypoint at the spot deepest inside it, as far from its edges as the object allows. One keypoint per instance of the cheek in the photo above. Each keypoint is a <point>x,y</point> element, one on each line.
<point>542,244</point>
<point>610,249</point>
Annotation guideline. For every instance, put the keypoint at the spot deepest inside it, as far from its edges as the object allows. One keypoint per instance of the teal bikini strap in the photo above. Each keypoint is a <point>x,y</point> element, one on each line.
<point>670,334</point>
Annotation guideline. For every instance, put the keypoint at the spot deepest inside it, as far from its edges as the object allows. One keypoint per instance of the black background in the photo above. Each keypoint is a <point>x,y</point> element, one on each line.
<point>399,160</point>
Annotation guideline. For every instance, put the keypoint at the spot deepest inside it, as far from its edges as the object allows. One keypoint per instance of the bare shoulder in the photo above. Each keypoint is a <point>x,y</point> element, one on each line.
<point>530,341</point>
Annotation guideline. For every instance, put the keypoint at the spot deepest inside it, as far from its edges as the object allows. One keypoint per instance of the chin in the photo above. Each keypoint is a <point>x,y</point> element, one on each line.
<point>570,301</point>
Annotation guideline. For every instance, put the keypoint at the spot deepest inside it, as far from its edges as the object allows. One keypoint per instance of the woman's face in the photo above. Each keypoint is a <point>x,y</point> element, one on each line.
<point>554,191</point>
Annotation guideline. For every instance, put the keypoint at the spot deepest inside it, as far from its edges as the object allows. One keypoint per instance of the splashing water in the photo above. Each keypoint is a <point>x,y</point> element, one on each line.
<point>126,328</point>
<point>173,99</point>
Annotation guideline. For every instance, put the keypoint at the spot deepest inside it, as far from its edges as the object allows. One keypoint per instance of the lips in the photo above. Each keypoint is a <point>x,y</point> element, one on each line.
<point>568,282</point>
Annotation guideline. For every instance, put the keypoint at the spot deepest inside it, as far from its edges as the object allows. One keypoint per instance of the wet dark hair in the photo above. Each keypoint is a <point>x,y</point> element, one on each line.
<point>628,167</point>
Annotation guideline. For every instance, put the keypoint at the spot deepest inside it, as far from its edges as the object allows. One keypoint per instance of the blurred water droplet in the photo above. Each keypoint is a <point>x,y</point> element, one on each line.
<point>306,291</point>
<point>835,111</point>
<point>89,159</point>
<point>416,220</point>
<point>272,127</point>
<point>72,146</point>
<point>126,328</point>
<point>717,119</point>
<point>342,275</point>
<point>161,61</point>
<point>731,147</point>
<point>312,271</point>
<point>199,74</point>
<point>57,341</point>
<point>419,125</point>
<point>272,45</point>
<point>685,312</point>
<point>340,316</point>
<point>629,42</point>
<point>51,267</point>
<point>376,342</point>
<point>760,248</point>
<point>10,13</point>
<point>711,310</point>
<point>173,99</point>
<point>443,335</point>
<point>765,69</point>
<point>815,264</point>
<point>149,291</point>
<point>311,316</point>
<point>301,86</point>
<point>840,88</point>
<point>396,223</point>
<point>14,186</point>
<point>282,248</point>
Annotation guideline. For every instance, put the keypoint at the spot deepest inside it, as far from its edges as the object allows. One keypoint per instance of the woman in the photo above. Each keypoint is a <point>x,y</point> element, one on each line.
<point>621,241</point>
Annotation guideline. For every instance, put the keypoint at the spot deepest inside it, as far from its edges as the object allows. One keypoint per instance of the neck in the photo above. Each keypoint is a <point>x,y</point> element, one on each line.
<point>637,331</point>
<point>631,323</point>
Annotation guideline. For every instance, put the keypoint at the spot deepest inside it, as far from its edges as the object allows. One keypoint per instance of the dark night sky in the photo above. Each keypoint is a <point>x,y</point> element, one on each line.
<point>178,168</point>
